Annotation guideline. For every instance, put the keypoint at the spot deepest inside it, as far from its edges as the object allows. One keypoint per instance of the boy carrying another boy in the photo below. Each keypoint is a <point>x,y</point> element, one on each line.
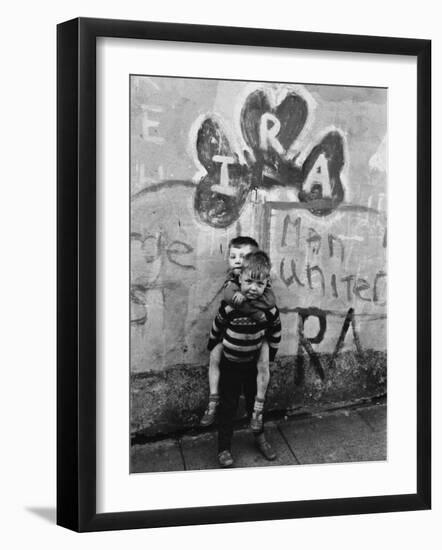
<point>242,336</point>
<point>239,247</point>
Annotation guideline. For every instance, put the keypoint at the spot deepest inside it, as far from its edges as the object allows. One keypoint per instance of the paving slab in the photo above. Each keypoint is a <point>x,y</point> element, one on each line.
<point>346,435</point>
<point>246,455</point>
<point>157,456</point>
<point>341,436</point>
<point>371,450</point>
<point>375,416</point>
<point>199,451</point>
<point>360,441</point>
<point>313,443</point>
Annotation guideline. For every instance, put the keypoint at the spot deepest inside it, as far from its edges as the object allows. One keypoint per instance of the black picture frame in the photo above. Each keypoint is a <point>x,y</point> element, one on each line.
<point>76,274</point>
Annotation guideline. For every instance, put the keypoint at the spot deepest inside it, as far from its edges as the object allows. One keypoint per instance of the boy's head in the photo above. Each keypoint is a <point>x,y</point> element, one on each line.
<point>239,247</point>
<point>255,274</point>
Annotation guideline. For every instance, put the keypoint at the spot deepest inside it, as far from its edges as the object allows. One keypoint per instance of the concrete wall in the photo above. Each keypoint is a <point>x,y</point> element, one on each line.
<point>211,160</point>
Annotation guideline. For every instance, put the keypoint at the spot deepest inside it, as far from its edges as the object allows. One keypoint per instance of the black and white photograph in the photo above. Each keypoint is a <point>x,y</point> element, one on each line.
<point>258,273</point>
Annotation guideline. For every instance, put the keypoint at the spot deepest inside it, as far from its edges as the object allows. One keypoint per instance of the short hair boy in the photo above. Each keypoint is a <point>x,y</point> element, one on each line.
<point>242,338</point>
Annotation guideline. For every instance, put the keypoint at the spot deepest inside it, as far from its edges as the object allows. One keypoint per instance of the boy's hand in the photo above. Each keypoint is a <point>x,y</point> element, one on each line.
<point>238,298</point>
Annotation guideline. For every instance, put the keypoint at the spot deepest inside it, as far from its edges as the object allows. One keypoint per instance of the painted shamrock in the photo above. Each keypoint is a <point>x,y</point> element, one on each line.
<point>270,126</point>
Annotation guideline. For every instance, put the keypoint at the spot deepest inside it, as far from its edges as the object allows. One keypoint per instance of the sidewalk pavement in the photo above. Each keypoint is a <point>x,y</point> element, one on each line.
<point>345,435</point>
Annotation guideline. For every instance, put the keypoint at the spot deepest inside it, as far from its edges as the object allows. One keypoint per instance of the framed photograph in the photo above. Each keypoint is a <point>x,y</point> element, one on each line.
<point>231,205</point>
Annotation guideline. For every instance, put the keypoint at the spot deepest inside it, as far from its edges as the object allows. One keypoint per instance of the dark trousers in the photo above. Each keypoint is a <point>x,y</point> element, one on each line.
<point>234,379</point>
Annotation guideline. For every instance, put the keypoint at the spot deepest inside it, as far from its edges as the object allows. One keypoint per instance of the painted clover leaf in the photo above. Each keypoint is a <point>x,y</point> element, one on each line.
<point>221,193</point>
<point>269,129</point>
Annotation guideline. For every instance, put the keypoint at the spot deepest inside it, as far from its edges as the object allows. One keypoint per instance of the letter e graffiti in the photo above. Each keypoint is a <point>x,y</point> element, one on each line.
<point>148,124</point>
<point>178,248</point>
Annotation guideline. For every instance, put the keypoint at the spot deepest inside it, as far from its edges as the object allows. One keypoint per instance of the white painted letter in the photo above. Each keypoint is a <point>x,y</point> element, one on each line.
<point>319,175</point>
<point>224,188</point>
<point>267,136</point>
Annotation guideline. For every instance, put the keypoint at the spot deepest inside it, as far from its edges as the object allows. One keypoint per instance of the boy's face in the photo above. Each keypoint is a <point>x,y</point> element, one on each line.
<point>252,287</point>
<point>236,256</point>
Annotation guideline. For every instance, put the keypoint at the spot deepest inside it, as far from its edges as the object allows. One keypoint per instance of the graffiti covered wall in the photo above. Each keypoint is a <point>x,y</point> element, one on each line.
<point>302,168</point>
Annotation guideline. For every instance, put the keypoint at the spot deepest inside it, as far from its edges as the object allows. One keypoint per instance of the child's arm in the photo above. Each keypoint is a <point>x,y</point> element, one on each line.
<point>218,328</point>
<point>234,297</point>
<point>266,301</point>
<point>232,293</point>
<point>273,332</point>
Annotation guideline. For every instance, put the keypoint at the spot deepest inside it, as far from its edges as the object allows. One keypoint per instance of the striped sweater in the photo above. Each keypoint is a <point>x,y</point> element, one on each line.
<point>242,336</point>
